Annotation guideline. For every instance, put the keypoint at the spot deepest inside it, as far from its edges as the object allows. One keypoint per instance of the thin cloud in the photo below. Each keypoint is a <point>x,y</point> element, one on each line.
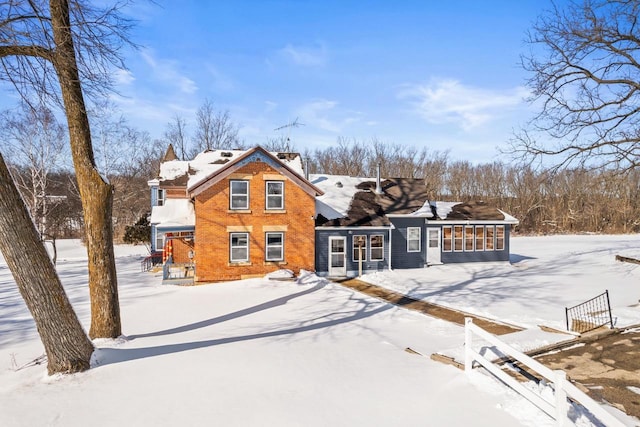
<point>166,71</point>
<point>320,113</point>
<point>123,77</point>
<point>449,101</point>
<point>305,56</point>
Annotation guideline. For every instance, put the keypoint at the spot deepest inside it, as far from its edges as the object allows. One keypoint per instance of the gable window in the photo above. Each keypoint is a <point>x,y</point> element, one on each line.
<point>499,237</point>
<point>468,238</point>
<point>488,238</point>
<point>359,247</point>
<point>274,247</point>
<point>275,195</point>
<point>413,239</point>
<point>377,248</point>
<point>447,238</point>
<point>479,238</point>
<point>239,243</point>
<point>239,195</point>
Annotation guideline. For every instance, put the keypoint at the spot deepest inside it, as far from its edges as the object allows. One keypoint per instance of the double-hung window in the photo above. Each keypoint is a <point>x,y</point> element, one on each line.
<point>274,247</point>
<point>161,194</point>
<point>275,195</point>
<point>359,247</point>
<point>499,237</point>
<point>239,195</point>
<point>413,239</point>
<point>377,247</point>
<point>239,243</point>
<point>458,238</point>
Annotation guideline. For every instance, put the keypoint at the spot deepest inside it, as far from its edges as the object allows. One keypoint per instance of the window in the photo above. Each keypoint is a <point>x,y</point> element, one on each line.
<point>479,238</point>
<point>488,238</point>
<point>275,247</point>
<point>159,241</point>
<point>468,238</point>
<point>161,194</point>
<point>413,239</point>
<point>457,238</point>
<point>446,239</point>
<point>275,195</point>
<point>359,247</point>
<point>239,195</point>
<point>239,247</point>
<point>377,248</point>
<point>499,237</point>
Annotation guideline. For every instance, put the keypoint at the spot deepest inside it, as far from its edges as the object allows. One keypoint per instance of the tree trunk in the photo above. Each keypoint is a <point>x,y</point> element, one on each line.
<point>66,343</point>
<point>96,194</point>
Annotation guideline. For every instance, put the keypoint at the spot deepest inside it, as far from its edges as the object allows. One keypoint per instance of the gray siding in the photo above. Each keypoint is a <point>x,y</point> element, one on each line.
<point>400,258</point>
<point>322,251</point>
<point>478,256</point>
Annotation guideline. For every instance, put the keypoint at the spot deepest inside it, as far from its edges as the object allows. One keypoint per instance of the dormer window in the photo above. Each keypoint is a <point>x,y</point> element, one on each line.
<point>275,195</point>
<point>239,195</point>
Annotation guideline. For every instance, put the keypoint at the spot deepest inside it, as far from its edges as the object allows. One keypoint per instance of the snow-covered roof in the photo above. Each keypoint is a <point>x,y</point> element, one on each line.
<point>443,209</point>
<point>208,162</point>
<point>174,213</point>
<point>338,193</point>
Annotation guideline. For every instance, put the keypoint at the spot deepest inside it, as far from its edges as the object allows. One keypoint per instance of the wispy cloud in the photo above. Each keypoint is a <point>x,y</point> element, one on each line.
<point>123,77</point>
<point>321,114</point>
<point>449,101</point>
<point>167,71</point>
<point>315,56</point>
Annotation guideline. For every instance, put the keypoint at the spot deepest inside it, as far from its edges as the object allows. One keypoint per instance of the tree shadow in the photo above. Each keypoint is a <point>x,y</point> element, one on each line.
<point>108,356</point>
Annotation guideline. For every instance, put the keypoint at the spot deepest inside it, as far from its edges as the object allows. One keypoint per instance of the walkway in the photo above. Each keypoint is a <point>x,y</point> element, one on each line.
<point>434,310</point>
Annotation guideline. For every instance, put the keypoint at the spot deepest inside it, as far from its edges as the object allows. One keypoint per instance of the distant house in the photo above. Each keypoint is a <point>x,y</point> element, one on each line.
<point>366,225</point>
<point>231,214</point>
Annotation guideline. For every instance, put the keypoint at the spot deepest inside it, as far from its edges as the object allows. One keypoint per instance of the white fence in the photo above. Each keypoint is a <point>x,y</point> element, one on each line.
<point>558,409</point>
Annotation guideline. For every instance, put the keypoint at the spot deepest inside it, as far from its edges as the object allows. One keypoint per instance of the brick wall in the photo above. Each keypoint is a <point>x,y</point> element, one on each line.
<point>215,220</point>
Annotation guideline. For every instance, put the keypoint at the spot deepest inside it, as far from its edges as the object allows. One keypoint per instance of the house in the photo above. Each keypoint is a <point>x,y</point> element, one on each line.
<point>231,214</point>
<point>365,225</point>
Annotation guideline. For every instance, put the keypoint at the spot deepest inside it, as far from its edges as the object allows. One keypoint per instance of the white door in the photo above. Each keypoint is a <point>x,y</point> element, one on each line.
<point>433,246</point>
<point>337,256</point>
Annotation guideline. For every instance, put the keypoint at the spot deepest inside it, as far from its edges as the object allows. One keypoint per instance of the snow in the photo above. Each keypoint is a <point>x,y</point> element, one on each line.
<point>424,211</point>
<point>208,162</point>
<point>174,212</point>
<point>338,192</point>
<point>306,352</point>
<point>443,208</point>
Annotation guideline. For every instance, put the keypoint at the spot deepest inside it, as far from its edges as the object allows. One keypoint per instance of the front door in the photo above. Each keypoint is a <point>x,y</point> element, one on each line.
<point>337,256</point>
<point>433,246</point>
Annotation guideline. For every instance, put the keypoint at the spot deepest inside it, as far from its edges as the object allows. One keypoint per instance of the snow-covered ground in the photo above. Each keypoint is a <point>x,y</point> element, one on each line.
<point>305,353</point>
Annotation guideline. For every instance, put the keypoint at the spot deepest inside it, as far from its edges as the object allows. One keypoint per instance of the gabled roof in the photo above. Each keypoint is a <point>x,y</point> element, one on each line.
<point>353,202</point>
<point>280,161</point>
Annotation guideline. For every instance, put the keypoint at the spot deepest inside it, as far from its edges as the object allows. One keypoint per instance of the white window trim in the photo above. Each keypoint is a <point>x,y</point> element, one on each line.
<point>497,238</point>
<point>371,258</point>
<point>479,227</point>
<point>160,197</point>
<point>493,237</point>
<point>419,239</point>
<point>453,246</point>
<point>354,247</point>
<point>231,247</point>
<point>231,194</point>
<point>267,246</point>
<point>450,228</point>
<point>267,195</point>
<point>473,238</point>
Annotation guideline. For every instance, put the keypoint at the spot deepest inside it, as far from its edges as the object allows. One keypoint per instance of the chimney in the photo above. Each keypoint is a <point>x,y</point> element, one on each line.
<point>378,186</point>
<point>306,169</point>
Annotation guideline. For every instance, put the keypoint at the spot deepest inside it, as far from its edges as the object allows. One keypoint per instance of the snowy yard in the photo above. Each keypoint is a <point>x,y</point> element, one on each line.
<point>306,353</point>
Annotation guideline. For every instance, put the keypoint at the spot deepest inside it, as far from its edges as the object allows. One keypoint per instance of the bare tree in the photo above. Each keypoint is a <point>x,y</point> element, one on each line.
<point>66,344</point>
<point>176,134</point>
<point>215,129</point>
<point>60,48</point>
<point>586,77</point>
<point>37,143</point>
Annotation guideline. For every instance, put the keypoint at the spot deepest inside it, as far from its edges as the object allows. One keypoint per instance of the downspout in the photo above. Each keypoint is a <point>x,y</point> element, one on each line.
<point>390,230</point>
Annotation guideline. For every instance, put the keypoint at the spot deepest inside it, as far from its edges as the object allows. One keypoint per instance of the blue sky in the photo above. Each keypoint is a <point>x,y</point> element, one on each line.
<point>438,74</point>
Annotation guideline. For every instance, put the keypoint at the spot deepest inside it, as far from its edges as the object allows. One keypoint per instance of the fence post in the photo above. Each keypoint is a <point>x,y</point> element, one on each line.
<point>609,308</point>
<point>562,406</point>
<point>468,341</point>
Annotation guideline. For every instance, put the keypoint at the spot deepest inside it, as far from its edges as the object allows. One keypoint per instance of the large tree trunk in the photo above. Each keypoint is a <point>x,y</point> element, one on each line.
<point>66,343</point>
<point>96,194</point>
